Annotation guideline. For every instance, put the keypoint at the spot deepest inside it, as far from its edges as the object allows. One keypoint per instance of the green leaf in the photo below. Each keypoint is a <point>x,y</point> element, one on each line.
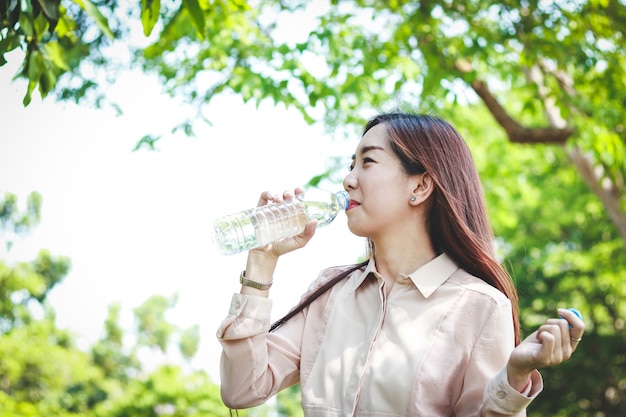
<point>197,16</point>
<point>47,81</point>
<point>57,55</point>
<point>95,14</point>
<point>51,10</point>
<point>26,25</point>
<point>33,69</point>
<point>150,10</point>
<point>13,12</point>
<point>8,44</point>
<point>148,141</point>
<point>29,93</point>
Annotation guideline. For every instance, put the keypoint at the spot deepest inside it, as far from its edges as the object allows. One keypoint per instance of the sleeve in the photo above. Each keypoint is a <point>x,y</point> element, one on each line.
<point>485,378</point>
<point>255,364</point>
<point>502,400</point>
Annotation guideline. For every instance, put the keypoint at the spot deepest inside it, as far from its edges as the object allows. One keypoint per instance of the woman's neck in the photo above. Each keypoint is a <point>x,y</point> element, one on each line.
<point>402,258</point>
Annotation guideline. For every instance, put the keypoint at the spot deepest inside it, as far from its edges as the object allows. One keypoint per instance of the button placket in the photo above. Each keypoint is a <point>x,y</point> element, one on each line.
<point>383,305</point>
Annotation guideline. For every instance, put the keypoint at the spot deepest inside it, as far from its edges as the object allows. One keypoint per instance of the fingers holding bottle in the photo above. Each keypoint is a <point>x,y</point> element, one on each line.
<point>551,344</point>
<point>561,336</point>
<point>284,245</point>
<point>277,216</point>
<point>262,260</point>
<point>268,197</point>
<point>576,325</point>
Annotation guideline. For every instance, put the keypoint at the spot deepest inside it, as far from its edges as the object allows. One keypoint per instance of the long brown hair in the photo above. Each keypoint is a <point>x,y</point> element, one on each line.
<point>457,218</point>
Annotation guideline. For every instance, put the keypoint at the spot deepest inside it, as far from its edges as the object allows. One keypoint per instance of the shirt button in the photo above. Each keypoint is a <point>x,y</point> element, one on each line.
<point>501,394</point>
<point>237,306</point>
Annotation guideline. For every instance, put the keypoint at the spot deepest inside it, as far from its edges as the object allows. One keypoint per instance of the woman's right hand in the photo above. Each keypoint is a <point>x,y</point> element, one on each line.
<point>288,244</point>
<point>262,261</point>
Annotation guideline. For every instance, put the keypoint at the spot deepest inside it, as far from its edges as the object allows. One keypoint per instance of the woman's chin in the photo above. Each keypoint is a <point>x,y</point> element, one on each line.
<point>357,231</point>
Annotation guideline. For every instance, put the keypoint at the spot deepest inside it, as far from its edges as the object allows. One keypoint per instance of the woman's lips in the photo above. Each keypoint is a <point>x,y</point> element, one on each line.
<point>352,204</point>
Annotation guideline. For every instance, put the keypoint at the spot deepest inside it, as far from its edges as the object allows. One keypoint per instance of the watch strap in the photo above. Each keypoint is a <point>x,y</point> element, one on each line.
<point>249,283</point>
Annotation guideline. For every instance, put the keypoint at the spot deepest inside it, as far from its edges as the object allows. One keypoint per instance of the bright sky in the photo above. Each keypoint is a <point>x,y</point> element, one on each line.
<point>135,224</point>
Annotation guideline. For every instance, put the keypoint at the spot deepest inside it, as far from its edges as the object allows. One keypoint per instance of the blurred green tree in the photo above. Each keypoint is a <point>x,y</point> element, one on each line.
<point>562,59</point>
<point>536,87</point>
<point>42,371</point>
<point>562,251</point>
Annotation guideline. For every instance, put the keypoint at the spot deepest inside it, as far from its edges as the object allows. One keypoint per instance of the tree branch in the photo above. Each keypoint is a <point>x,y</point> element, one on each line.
<point>557,133</point>
<point>516,132</point>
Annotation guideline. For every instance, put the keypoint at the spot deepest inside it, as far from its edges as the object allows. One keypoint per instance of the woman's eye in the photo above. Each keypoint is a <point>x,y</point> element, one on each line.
<point>364,161</point>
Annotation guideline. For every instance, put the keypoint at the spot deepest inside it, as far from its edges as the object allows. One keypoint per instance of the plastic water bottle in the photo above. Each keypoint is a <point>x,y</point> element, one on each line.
<point>261,225</point>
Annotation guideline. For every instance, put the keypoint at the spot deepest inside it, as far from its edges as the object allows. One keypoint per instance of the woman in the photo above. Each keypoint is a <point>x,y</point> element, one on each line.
<point>428,326</point>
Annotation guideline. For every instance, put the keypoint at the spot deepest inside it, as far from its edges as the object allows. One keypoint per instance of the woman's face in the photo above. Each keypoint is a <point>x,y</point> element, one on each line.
<point>379,188</point>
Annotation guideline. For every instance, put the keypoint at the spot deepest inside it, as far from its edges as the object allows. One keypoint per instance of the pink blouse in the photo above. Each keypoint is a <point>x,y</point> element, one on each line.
<point>437,345</point>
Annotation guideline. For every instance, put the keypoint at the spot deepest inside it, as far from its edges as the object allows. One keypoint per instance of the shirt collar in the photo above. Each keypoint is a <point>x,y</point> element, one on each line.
<point>369,269</point>
<point>430,276</point>
<point>426,278</point>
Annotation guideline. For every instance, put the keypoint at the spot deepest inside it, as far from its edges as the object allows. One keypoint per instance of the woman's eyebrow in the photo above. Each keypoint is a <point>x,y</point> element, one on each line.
<point>366,149</point>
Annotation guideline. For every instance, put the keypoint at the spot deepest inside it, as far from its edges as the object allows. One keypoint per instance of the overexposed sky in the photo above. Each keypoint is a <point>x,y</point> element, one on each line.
<point>135,224</point>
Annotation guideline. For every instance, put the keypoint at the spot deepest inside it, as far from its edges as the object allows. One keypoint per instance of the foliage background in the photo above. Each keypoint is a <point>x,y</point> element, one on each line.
<point>537,88</point>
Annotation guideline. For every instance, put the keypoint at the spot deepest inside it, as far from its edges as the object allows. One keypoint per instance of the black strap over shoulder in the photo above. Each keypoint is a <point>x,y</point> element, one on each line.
<point>315,295</point>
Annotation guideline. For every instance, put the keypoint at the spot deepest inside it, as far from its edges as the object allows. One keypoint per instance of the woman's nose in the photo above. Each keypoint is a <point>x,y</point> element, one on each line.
<point>349,181</point>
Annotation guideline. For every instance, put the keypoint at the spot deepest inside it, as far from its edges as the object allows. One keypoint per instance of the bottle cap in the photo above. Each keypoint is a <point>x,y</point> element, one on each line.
<point>343,199</point>
<point>573,310</point>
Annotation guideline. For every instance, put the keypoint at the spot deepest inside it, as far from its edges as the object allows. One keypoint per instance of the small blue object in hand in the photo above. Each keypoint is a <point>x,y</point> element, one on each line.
<point>573,310</point>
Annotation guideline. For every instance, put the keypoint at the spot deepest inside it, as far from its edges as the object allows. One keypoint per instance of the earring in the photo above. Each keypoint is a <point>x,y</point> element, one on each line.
<point>413,198</point>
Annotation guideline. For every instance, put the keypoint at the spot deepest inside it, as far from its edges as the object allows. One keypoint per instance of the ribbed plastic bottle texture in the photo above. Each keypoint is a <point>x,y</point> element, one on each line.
<point>259,226</point>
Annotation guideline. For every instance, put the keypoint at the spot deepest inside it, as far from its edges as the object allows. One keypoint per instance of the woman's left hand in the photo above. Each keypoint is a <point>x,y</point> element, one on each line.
<point>551,344</point>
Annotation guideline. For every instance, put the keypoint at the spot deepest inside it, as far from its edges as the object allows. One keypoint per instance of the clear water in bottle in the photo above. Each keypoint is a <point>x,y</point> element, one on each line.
<point>259,226</point>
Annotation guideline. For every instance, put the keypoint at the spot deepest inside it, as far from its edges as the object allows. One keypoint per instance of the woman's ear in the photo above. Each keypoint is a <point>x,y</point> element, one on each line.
<point>423,188</point>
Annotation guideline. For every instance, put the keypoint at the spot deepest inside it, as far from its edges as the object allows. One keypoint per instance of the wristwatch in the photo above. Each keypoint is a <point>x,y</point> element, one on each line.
<point>249,283</point>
